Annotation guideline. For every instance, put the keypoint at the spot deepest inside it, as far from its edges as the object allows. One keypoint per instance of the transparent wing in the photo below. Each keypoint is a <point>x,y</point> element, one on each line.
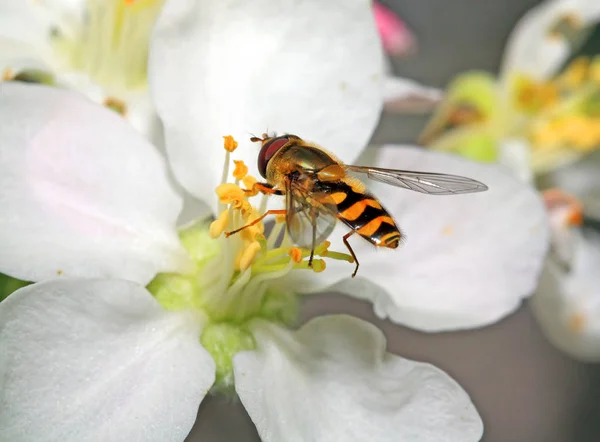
<point>310,217</point>
<point>424,182</point>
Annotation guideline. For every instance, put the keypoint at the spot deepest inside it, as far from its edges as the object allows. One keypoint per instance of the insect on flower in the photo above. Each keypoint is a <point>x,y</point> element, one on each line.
<point>319,191</point>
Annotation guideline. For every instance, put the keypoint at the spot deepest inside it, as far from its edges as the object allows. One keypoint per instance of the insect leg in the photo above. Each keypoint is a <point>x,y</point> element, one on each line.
<point>256,221</point>
<point>345,239</point>
<point>263,188</point>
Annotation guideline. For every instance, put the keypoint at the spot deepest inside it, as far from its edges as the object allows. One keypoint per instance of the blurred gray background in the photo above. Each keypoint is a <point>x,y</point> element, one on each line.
<point>524,389</point>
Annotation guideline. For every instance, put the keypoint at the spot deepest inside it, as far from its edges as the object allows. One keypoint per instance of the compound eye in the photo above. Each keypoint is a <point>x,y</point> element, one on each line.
<point>267,151</point>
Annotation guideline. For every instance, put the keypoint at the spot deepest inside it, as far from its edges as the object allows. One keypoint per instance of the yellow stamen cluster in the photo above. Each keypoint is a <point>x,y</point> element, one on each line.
<point>565,111</point>
<point>575,74</point>
<point>239,221</point>
<point>580,132</point>
<point>532,96</point>
<point>112,45</point>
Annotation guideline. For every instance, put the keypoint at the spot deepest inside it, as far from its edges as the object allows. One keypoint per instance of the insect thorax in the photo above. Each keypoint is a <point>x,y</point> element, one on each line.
<point>297,159</point>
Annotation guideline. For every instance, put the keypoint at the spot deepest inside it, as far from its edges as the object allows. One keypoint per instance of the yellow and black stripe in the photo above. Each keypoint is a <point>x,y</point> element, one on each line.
<point>364,214</point>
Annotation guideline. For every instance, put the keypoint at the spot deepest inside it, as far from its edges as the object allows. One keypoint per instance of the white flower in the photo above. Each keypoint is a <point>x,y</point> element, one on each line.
<point>98,47</point>
<point>535,120</point>
<point>537,115</point>
<point>89,354</point>
<point>567,303</point>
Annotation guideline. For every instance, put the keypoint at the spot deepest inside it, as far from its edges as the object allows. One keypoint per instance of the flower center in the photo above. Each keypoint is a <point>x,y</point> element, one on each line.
<point>564,112</point>
<point>239,276</point>
<point>111,45</point>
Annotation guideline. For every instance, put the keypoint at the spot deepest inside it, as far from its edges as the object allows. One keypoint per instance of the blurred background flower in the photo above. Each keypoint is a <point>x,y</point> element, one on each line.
<point>540,115</point>
<point>98,47</point>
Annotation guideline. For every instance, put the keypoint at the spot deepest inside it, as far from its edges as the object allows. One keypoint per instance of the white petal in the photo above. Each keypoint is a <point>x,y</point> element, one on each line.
<point>583,180</point>
<point>16,56</point>
<point>567,303</point>
<point>87,195</point>
<point>405,95</point>
<point>235,68</point>
<point>467,260</point>
<point>24,21</point>
<point>515,154</point>
<point>138,107</point>
<point>333,380</point>
<point>98,360</point>
<point>532,50</point>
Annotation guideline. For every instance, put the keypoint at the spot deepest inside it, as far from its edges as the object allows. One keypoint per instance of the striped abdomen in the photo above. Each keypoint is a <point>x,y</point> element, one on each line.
<point>364,214</point>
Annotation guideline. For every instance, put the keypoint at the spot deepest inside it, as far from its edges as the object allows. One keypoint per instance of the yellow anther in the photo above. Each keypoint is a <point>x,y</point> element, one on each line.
<point>116,105</point>
<point>8,74</point>
<point>251,233</point>
<point>244,207</point>
<point>579,132</point>
<point>296,254</point>
<point>217,227</point>
<point>230,193</point>
<point>557,200</point>
<point>249,182</point>
<point>229,143</point>
<point>240,171</point>
<point>249,254</point>
<point>576,73</point>
<point>318,265</point>
<point>323,248</point>
<point>279,218</point>
<point>532,96</point>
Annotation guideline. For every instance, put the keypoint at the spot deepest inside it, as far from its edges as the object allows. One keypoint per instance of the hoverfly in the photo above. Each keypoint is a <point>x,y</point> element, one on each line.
<point>319,191</point>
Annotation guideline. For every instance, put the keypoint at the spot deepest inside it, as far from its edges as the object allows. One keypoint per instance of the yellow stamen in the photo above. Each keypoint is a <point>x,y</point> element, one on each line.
<point>112,45</point>
<point>229,143</point>
<point>555,199</point>
<point>296,254</point>
<point>8,74</point>
<point>217,227</point>
<point>318,265</point>
<point>249,254</point>
<point>117,105</point>
<point>230,193</point>
<point>579,132</point>
<point>575,74</point>
<point>532,96</point>
<point>279,218</point>
<point>240,171</point>
<point>249,182</point>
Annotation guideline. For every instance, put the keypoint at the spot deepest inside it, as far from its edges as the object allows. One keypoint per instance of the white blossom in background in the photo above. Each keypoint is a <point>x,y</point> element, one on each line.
<point>130,322</point>
<point>98,47</point>
<point>536,116</point>
<point>567,303</point>
<point>542,121</point>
